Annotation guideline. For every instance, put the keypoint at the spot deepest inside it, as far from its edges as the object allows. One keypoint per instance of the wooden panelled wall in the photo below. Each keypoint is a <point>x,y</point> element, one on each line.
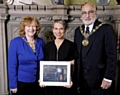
<point>11,15</point>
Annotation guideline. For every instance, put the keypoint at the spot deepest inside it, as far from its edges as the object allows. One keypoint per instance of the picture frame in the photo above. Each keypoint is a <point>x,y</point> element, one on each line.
<point>55,73</point>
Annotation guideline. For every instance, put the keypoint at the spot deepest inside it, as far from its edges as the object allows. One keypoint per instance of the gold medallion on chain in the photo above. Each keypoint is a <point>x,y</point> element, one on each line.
<point>85,42</point>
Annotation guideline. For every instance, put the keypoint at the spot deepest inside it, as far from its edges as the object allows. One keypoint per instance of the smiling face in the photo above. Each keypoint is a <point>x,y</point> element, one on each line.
<point>88,14</point>
<point>29,26</point>
<point>58,30</point>
<point>30,29</point>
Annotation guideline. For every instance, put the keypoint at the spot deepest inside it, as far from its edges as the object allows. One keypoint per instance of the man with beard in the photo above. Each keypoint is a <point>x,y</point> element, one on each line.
<point>96,66</point>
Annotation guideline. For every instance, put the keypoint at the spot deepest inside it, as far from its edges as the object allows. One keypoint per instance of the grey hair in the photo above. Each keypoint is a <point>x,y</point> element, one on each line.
<point>63,22</point>
<point>90,4</point>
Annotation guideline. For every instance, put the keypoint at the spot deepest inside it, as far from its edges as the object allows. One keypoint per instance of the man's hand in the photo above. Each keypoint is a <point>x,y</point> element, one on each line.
<point>105,84</point>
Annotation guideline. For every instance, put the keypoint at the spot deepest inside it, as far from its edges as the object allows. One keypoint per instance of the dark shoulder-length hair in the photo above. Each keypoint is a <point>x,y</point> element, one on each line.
<point>27,21</point>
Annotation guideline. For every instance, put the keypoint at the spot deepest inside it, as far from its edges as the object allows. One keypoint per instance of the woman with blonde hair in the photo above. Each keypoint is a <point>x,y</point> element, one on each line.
<point>24,55</point>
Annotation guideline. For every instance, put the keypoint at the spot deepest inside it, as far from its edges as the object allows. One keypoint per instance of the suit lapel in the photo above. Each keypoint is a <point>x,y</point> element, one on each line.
<point>81,38</point>
<point>37,47</point>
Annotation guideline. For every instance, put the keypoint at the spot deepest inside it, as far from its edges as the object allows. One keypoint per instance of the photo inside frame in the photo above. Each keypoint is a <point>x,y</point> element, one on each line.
<point>55,73</point>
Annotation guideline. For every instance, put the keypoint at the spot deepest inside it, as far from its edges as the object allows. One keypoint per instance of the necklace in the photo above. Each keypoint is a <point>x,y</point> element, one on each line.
<point>85,41</point>
<point>31,44</point>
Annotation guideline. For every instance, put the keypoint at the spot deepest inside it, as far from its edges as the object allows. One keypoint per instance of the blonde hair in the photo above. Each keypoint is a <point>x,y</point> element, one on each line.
<point>26,21</point>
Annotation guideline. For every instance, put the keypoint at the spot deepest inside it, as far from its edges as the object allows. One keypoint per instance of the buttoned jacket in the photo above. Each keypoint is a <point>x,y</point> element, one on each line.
<point>101,54</point>
<point>23,63</point>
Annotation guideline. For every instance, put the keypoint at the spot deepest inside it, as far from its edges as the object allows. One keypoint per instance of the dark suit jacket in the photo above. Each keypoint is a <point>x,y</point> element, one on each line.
<point>101,54</point>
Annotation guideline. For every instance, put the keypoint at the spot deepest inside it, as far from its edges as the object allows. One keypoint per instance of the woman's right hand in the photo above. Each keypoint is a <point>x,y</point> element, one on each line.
<point>41,85</point>
<point>13,90</point>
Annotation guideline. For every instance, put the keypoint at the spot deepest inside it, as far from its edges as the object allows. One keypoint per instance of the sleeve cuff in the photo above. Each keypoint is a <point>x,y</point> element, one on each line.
<point>107,80</point>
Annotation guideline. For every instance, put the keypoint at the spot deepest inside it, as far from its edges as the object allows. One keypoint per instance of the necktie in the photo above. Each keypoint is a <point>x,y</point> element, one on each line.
<point>87,30</point>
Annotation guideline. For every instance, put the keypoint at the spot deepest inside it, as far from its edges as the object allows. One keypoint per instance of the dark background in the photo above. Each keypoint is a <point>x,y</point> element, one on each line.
<point>118,1</point>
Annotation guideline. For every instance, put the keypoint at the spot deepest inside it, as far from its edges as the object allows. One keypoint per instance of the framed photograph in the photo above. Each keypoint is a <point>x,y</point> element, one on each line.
<point>55,73</point>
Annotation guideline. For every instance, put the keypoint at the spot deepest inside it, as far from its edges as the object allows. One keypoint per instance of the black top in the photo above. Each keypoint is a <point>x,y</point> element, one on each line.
<point>66,51</point>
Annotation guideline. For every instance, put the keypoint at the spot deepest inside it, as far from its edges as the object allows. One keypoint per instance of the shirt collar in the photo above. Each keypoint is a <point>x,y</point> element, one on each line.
<point>90,27</point>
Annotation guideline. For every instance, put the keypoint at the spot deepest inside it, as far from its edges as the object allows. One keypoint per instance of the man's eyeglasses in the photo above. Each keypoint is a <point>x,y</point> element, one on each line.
<point>89,12</point>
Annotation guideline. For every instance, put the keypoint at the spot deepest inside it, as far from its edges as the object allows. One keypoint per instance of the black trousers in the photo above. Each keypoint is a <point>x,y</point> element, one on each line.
<point>28,89</point>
